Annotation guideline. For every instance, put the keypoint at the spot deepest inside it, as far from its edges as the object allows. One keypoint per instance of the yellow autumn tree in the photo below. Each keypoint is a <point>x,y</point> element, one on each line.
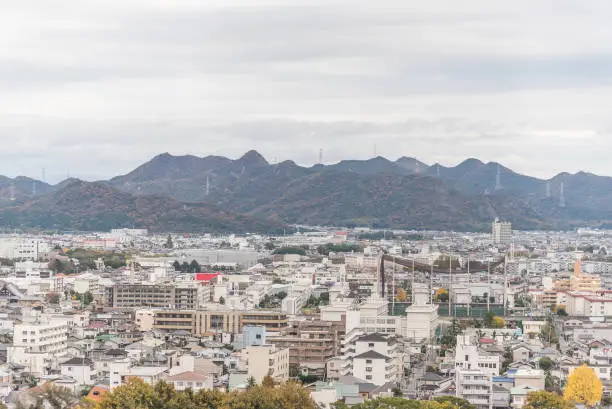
<point>401,295</point>
<point>498,322</point>
<point>441,295</point>
<point>583,386</point>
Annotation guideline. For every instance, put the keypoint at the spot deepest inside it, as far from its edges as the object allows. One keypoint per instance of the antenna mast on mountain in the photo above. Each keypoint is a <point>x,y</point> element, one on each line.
<point>562,195</point>
<point>320,156</point>
<point>548,190</point>
<point>375,150</point>
<point>43,174</point>
<point>498,185</point>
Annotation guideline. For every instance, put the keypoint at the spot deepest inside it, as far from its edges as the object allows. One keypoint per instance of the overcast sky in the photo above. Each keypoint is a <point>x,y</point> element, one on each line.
<point>96,87</point>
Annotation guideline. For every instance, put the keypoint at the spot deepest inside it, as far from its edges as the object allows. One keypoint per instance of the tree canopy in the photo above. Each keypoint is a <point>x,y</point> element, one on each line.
<point>583,386</point>
<point>546,400</point>
<point>137,394</point>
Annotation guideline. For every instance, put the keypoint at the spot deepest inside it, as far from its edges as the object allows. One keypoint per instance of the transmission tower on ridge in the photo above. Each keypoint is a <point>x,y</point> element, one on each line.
<point>321,156</point>
<point>498,184</point>
<point>562,195</point>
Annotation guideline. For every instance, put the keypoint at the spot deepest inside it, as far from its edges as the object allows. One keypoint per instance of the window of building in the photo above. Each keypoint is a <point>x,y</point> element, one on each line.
<point>369,377</point>
<point>368,361</point>
<point>370,345</point>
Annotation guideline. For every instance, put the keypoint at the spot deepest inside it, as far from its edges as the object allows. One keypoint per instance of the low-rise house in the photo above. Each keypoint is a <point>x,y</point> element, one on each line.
<point>190,380</point>
<point>80,369</point>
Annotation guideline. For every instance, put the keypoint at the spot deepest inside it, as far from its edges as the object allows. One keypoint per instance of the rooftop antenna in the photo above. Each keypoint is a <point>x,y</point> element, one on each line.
<point>562,195</point>
<point>548,190</point>
<point>498,185</point>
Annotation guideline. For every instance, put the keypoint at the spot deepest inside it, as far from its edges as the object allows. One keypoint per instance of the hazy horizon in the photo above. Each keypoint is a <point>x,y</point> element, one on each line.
<point>95,88</point>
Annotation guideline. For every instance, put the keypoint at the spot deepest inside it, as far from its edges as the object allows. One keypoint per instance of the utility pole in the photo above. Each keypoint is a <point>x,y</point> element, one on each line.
<point>469,288</point>
<point>394,287</point>
<point>505,283</point>
<point>450,278</point>
<point>489,287</point>
<point>431,284</point>
<point>412,284</point>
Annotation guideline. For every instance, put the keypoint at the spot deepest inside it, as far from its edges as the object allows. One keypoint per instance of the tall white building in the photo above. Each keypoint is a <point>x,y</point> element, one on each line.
<point>377,359</point>
<point>502,231</point>
<point>474,371</point>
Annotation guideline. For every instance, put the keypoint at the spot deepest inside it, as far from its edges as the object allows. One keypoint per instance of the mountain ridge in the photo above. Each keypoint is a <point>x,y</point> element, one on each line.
<point>376,192</point>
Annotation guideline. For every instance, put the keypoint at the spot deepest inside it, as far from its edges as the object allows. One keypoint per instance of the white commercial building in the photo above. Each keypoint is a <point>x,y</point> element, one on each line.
<point>501,231</point>
<point>267,360</point>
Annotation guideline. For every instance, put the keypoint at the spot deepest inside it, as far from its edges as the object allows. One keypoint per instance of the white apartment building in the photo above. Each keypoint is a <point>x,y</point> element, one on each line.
<point>375,358</point>
<point>586,304</point>
<point>474,370</point>
<point>38,344</point>
<point>475,386</point>
<point>267,360</point>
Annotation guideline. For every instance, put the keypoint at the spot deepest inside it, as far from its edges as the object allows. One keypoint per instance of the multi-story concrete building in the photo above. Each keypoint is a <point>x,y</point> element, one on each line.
<point>501,231</point>
<point>311,344</point>
<point>376,358</point>
<point>474,370</point>
<point>267,360</point>
<point>188,295</point>
<point>37,345</point>
<point>217,320</point>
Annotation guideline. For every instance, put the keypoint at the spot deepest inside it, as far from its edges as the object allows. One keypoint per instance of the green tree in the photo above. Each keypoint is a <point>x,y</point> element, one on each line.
<point>548,333</point>
<point>87,298</point>
<point>546,363</point>
<point>194,267</point>
<point>251,382</point>
<point>454,402</point>
<point>488,319</point>
<point>169,244</point>
<point>176,265</point>
<point>134,394</point>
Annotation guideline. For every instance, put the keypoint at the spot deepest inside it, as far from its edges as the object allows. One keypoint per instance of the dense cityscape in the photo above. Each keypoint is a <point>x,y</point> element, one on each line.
<point>353,315</point>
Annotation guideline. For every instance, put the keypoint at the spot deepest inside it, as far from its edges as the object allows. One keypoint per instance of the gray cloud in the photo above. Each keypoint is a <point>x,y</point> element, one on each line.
<point>98,87</point>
